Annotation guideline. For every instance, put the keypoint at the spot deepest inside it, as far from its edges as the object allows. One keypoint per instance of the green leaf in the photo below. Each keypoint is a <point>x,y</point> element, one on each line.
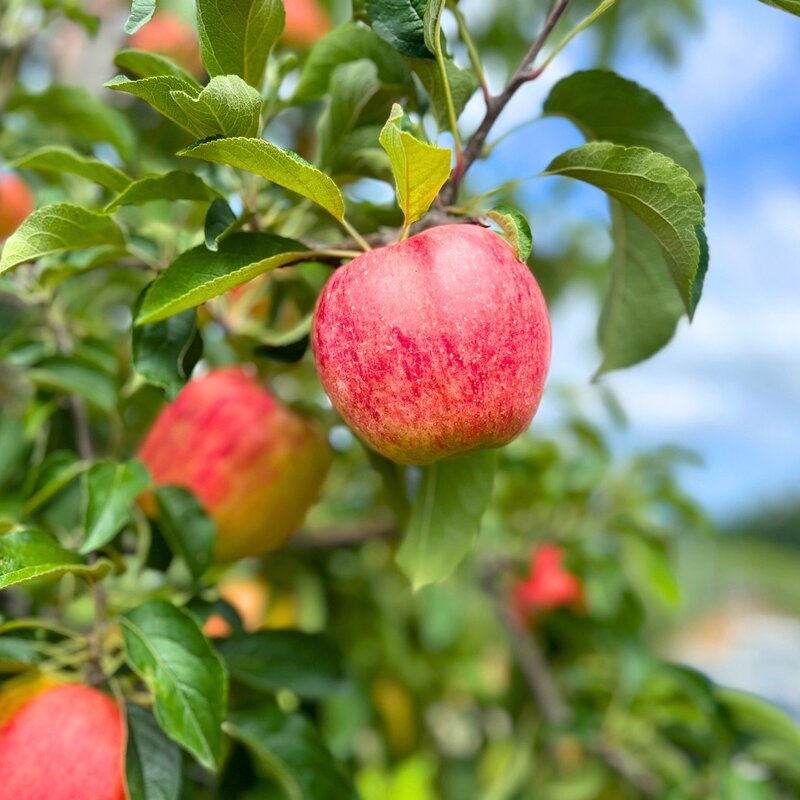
<point>463,84</point>
<point>432,23</point>
<point>446,516</point>
<point>606,107</point>
<point>56,472</point>
<point>282,167</point>
<point>167,650</point>
<point>198,275</point>
<point>189,531</point>
<point>268,661</point>
<point>17,653</point>
<point>144,64</point>
<point>420,169</point>
<point>27,554</point>
<point>350,42</point>
<point>227,106</point>
<point>286,346</point>
<point>166,352</point>
<point>152,762</point>
<point>659,191</point>
<point>58,229</point>
<point>353,86</point>
<point>236,37</point>
<point>70,376</point>
<point>642,307</point>
<point>516,228</point>
<point>158,91</point>
<point>757,717</point>
<point>399,22</point>
<point>792,6</point>
<point>111,491</point>
<point>291,750</point>
<point>82,114</point>
<point>220,221</point>
<point>141,12</point>
<point>175,185</point>
<point>64,160</point>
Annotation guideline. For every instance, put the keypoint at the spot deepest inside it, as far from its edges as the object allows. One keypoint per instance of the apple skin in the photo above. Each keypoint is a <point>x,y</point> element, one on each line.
<point>306,21</point>
<point>255,466</point>
<point>16,203</point>
<point>434,346</point>
<point>64,743</point>
<point>171,36</point>
<point>548,585</point>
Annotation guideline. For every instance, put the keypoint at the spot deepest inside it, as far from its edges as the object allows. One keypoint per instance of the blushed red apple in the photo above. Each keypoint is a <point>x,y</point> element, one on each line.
<point>434,346</point>
<point>548,585</point>
<point>256,466</point>
<point>306,21</point>
<point>16,203</point>
<point>63,742</point>
<point>172,36</point>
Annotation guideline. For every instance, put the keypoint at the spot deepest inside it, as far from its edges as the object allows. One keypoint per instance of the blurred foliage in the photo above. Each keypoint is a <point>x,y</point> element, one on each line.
<point>429,698</point>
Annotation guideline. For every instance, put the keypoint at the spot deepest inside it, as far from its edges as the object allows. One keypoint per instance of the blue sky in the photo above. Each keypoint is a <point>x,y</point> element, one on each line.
<point>727,386</point>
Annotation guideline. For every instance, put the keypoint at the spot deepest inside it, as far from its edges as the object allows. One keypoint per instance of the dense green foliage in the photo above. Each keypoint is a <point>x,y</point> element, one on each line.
<point>393,664</point>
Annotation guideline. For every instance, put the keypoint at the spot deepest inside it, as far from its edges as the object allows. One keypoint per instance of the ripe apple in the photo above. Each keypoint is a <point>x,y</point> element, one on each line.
<point>306,21</point>
<point>548,585</point>
<point>16,202</point>
<point>249,597</point>
<point>434,346</point>
<point>256,466</point>
<point>63,743</point>
<point>171,36</point>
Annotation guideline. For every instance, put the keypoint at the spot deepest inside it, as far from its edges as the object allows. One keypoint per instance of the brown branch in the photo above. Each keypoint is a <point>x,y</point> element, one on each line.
<point>495,105</point>
<point>545,691</point>
<point>334,537</point>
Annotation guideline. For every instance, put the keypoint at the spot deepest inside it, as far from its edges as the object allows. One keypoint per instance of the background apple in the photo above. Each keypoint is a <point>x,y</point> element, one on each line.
<point>548,585</point>
<point>16,202</point>
<point>306,21</point>
<point>63,743</point>
<point>434,346</point>
<point>249,596</point>
<point>171,36</point>
<point>255,465</point>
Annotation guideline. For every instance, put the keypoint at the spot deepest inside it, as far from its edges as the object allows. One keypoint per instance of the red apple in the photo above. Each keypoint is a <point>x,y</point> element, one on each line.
<point>434,346</point>
<point>306,21</point>
<point>16,202</point>
<point>64,743</point>
<point>548,584</point>
<point>255,465</point>
<point>171,36</point>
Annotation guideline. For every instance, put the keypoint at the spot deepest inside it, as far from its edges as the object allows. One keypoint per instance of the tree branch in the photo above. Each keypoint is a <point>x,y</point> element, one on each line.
<point>545,691</point>
<point>495,105</point>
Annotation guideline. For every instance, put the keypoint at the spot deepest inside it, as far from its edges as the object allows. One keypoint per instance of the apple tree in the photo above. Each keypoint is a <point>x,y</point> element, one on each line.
<point>272,520</point>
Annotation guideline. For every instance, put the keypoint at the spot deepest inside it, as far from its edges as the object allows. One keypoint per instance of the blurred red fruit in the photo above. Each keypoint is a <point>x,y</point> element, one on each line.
<point>16,203</point>
<point>63,743</point>
<point>549,585</point>
<point>306,21</point>
<point>256,466</point>
<point>173,37</point>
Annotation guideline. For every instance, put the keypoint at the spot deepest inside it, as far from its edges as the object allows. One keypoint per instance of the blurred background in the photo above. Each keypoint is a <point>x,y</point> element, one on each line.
<point>701,439</point>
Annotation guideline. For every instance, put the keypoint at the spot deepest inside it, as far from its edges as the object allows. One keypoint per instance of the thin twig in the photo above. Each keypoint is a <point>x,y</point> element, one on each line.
<point>527,654</point>
<point>545,691</point>
<point>335,537</point>
<point>495,105</point>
